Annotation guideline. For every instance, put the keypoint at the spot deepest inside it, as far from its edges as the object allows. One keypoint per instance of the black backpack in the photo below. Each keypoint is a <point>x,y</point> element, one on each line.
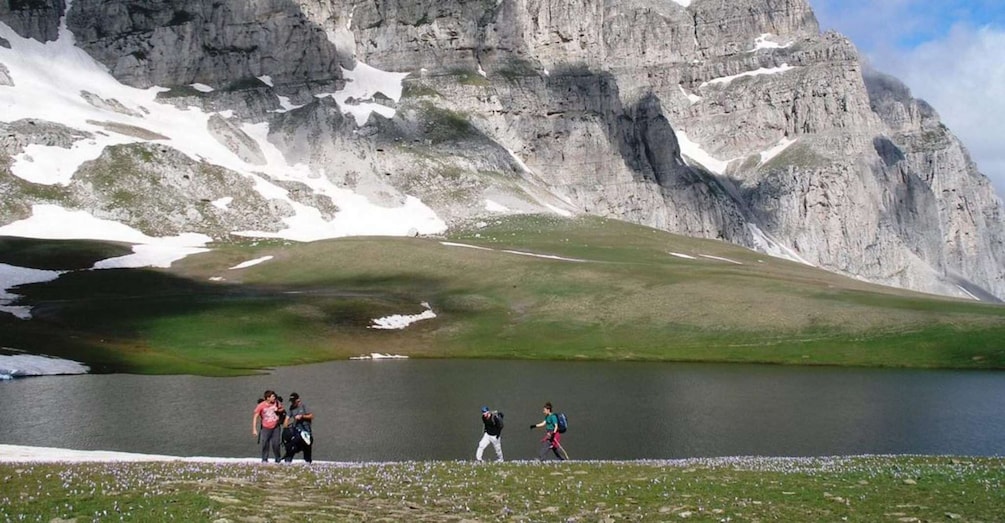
<point>499,419</point>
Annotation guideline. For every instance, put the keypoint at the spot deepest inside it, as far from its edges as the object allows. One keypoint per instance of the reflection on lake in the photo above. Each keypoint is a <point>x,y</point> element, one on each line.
<point>417,410</point>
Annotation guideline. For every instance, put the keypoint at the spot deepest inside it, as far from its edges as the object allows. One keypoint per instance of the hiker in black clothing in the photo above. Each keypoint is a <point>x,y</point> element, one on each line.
<point>297,432</point>
<point>493,421</point>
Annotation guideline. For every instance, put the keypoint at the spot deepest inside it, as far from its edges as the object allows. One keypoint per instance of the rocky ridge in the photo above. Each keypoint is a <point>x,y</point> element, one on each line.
<point>736,120</point>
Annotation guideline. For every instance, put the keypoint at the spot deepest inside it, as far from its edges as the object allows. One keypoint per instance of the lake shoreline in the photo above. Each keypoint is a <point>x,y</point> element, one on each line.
<point>30,454</point>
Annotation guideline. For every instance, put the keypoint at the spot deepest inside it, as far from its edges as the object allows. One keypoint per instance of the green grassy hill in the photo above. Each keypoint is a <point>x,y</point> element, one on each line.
<point>610,290</point>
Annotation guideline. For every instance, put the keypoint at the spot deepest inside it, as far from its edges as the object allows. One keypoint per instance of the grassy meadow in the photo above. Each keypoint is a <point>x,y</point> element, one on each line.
<point>608,290</point>
<point>902,489</point>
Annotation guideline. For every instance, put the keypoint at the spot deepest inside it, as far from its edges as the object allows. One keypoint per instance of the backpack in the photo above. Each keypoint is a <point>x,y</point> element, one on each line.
<point>563,423</point>
<point>499,419</point>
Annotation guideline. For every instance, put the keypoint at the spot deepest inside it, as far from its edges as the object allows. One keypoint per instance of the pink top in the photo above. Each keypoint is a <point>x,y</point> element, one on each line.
<point>268,413</point>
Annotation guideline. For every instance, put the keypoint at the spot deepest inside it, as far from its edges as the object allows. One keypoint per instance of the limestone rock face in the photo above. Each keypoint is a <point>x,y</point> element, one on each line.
<point>38,19</point>
<point>729,119</point>
<point>170,42</point>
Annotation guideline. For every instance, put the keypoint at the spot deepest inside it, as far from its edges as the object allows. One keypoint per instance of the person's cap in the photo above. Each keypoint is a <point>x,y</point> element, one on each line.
<point>294,396</point>
<point>485,409</point>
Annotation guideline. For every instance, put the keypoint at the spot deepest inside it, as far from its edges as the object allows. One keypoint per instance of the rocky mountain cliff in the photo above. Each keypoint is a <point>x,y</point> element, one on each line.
<point>723,119</point>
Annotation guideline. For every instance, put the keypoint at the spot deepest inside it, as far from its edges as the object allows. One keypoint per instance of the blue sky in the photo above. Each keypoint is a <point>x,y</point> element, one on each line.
<point>904,24</point>
<point>948,52</point>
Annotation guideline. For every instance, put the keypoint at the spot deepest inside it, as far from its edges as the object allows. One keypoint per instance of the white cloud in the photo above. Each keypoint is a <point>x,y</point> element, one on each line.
<point>946,52</point>
<point>963,77</point>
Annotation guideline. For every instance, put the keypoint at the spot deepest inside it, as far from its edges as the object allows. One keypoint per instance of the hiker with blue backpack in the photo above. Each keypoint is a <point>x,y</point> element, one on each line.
<point>493,421</point>
<point>554,425</point>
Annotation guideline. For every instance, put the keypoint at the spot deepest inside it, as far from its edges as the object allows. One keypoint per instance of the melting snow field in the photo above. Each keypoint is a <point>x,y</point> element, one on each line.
<point>363,83</point>
<point>400,321</point>
<point>22,454</point>
<point>695,153</point>
<point>251,263</point>
<point>726,80</point>
<point>520,253</point>
<point>23,365</point>
<point>781,146</point>
<point>60,83</point>
<point>765,41</point>
<point>379,356</point>
<point>12,276</point>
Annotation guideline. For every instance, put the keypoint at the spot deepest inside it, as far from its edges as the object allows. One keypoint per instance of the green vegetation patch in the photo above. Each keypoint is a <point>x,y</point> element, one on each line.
<point>727,489</point>
<point>797,155</point>
<point>443,125</point>
<point>469,77</point>
<point>535,287</point>
<point>414,88</point>
<point>516,68</point>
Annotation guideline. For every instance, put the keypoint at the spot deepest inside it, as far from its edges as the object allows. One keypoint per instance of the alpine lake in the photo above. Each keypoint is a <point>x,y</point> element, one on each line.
<point>403,410</point>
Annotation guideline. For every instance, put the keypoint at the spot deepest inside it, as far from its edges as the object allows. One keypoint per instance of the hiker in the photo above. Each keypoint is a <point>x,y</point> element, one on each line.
<point>268,411</point>
<point>297,433</point>
<point>552,438</point>
<point>493,421</point>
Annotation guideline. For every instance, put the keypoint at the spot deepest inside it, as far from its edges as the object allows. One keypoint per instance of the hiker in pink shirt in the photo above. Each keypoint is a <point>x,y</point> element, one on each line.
<point>270,412</point>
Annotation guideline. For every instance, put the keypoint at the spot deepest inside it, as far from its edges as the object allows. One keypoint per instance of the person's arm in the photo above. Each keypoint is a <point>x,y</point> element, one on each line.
<point>254,422</point>
<point>538,425</point>
<point>306,416</point>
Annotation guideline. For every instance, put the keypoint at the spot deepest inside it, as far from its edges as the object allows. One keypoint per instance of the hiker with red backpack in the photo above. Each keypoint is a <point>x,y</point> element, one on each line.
<point>554,425</point>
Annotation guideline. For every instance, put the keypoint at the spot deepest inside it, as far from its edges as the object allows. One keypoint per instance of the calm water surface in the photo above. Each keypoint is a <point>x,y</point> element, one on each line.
<point>405,410</point>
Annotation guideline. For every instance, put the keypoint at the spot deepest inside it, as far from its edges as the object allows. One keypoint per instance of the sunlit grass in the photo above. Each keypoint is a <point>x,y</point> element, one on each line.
<point>727,489</point>
<point>621,292</point>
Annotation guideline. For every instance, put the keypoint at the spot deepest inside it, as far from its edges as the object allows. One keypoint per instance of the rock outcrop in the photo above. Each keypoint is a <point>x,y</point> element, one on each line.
<point>731,119</point>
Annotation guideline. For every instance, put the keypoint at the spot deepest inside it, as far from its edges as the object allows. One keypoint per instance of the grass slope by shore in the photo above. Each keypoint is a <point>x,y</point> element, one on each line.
<point>728,489</point>
<point>608,290</point>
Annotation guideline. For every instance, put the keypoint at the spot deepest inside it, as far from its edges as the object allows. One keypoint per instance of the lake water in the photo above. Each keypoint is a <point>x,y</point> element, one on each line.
<point>422,409</point>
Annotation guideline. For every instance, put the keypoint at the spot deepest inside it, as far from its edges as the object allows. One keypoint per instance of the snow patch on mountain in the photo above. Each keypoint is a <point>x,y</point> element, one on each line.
<point>400,321</point>
<point>251,263</point>
<point>781,146</point>
<point>720,258</point>
<point>693,151</point>
<point>765,243</point>
<point>159,254</point>
<point>691,97</point>
<point>56,223</point>
<point>726,80</point>
<point>12,276</point>
<point>24,365</point>
<point>492,206</point>
<point>51,79</point>
<point>364,83</point>
<point>767,41</point>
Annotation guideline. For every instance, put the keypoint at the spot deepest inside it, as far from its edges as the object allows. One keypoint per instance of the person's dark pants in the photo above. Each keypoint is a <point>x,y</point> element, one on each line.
<point>270,439</point>
<point>552,445</point>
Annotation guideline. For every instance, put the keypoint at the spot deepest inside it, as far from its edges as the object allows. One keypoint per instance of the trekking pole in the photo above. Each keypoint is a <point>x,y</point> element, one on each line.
<point>561,448</point>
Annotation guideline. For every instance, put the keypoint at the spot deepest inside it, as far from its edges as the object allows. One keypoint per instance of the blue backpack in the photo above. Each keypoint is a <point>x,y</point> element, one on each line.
<point>563,423</point>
